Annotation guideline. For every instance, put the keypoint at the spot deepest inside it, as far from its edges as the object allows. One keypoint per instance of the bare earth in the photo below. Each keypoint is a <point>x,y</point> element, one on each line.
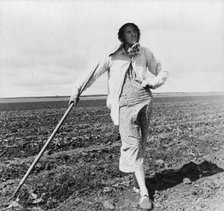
<point>79,170</point>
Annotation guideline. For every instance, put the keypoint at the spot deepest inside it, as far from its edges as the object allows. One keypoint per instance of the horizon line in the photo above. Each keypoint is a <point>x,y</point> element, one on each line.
<point>92,95</point>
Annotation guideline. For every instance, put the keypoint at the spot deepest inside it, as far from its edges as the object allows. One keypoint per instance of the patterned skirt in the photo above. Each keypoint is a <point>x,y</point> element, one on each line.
<point>135,110</point>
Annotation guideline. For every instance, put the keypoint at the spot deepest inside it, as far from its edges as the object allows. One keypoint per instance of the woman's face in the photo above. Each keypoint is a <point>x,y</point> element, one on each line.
<point>130,35</point>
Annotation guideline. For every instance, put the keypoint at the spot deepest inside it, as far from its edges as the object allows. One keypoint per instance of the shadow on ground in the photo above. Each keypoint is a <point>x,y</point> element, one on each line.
<point>171,177</point>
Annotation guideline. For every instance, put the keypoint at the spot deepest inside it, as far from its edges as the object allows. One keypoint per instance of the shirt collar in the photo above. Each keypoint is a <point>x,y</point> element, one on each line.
<point>119,50</point>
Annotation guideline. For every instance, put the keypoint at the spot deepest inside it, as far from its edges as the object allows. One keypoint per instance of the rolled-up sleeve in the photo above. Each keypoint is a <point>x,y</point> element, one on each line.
<point>156,69</point>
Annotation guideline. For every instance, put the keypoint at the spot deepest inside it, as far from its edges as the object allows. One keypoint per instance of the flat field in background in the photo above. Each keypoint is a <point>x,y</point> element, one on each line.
<point>79,170</point>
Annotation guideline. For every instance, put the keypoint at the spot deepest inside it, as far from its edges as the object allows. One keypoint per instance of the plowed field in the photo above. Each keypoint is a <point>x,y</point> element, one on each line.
<point>79,169</point>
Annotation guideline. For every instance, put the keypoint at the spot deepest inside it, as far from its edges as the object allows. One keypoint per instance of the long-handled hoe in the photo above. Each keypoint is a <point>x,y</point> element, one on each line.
<point>42,151</point>
<point>50,138</point>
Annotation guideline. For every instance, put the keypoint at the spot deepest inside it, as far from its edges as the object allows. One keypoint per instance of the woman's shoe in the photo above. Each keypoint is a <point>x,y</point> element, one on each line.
<point>136,190</point>
<point>145,202</point>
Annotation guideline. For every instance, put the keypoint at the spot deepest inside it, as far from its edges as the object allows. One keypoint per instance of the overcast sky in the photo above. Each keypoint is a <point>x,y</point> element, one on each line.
<point>46,45</point>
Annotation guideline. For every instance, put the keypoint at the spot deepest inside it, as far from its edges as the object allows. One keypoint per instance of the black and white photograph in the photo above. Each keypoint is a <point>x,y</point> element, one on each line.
<point>112,105</point>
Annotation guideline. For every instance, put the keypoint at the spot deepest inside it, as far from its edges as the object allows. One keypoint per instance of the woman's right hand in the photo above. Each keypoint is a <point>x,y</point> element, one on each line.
<point>74,99</point>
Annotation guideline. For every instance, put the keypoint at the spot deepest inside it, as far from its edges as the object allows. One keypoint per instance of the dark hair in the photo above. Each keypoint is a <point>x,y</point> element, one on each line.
<point>121,31</point>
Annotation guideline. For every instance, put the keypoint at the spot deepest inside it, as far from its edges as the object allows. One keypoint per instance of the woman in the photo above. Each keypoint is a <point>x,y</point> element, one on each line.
<point>129,99</point>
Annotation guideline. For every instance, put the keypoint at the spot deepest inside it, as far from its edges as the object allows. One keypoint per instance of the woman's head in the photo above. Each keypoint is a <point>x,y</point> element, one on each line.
<point>129,33</point>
